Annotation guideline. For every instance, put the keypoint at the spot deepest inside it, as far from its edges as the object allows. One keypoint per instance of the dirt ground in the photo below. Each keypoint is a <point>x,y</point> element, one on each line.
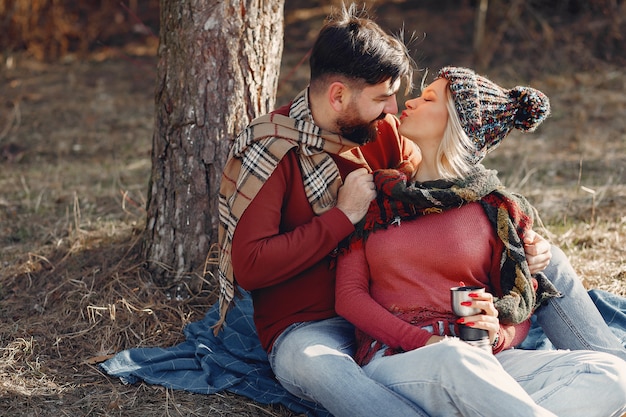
<point>75,141</point>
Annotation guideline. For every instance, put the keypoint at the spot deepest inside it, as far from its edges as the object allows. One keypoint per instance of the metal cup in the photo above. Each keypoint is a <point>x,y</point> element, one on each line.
<point>473,336</point>
<point>460,294</point>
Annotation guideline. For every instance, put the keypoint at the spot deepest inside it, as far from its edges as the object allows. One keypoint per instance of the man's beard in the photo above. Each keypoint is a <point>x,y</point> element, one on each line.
<point>356,130</point>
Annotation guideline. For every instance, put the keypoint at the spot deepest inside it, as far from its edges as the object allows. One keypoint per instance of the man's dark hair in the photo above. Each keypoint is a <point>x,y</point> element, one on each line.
<point>352,45</point>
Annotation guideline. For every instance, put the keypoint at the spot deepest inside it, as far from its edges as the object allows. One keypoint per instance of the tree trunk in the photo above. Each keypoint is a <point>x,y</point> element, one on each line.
<point>218,68</point>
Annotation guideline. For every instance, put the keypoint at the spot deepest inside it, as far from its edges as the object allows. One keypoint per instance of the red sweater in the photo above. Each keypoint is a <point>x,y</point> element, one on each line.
<point>400,280</point>
<point>281,249</point>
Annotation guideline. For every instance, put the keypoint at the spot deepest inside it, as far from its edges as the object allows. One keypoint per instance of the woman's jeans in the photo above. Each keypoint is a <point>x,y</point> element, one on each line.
<point>573,321</point>
<point>313,360</point>
<point>452,378</point>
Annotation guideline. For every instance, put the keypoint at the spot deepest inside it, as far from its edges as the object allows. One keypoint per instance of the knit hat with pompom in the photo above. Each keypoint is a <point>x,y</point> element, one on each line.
<point>489,112</point>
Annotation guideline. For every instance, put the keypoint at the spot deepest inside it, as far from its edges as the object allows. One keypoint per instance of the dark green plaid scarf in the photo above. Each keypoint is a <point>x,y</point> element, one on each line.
<point>510,214</point>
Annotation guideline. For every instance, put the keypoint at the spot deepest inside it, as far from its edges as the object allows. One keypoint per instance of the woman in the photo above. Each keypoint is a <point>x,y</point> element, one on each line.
<point>450,221</point>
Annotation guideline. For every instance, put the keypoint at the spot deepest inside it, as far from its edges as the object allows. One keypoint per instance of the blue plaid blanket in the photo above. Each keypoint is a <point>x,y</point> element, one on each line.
<point>233,361</point>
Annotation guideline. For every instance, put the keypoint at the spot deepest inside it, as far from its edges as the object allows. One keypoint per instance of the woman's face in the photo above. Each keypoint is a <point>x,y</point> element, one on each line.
<point>425,118</point>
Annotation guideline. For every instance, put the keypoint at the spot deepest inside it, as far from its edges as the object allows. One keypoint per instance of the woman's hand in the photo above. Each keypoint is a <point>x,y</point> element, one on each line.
<point>488,320</point>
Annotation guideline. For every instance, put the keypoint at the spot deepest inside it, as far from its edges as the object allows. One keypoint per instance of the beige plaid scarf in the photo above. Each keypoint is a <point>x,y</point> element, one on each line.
<point>253,157</point>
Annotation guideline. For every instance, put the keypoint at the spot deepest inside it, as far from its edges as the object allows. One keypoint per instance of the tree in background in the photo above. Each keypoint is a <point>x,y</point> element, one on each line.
<point>218,67</point>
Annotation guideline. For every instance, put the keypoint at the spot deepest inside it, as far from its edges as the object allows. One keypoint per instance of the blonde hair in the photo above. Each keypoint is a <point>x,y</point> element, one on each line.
<point>455,148</point>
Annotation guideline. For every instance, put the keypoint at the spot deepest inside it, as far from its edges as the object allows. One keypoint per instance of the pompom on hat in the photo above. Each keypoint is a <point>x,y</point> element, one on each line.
<point>489,112</point>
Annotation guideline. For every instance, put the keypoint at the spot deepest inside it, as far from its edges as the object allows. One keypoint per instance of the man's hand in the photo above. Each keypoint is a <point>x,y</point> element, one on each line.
<point>356,193</point>
<point>537,251</point>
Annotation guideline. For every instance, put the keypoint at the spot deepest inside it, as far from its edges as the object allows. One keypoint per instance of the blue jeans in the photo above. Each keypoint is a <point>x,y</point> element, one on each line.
<point>452,378</point>
<point>613,310</point>
<point>573,321</point>
<point>313,360</point>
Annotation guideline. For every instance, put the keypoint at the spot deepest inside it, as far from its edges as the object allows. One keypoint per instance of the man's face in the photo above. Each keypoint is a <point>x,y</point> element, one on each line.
<point>355,128</point>
<point>367,105</point>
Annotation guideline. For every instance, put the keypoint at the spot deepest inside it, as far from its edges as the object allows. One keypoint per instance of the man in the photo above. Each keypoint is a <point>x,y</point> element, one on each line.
<point>296,183</point>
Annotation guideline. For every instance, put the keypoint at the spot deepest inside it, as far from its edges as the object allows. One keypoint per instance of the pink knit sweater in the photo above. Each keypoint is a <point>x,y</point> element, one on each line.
<point>400,281</point>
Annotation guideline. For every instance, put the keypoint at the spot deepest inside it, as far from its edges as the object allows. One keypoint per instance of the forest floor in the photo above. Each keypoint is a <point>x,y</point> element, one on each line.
<point>75,142</point>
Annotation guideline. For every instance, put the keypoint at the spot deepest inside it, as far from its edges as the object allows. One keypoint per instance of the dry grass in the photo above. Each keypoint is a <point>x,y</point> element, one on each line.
<point>75,142</point>
<point>67,311</point>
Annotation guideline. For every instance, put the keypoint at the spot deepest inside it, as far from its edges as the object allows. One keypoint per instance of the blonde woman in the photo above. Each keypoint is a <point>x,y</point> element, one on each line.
<point>451,220</point>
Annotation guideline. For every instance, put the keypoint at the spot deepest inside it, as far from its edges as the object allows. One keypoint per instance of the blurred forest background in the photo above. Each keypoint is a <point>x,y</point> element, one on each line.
<point>77,83</point>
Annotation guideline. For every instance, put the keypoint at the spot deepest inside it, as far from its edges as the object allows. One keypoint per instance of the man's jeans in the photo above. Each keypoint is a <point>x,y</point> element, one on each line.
<point>313,361</point>
<point>573,321</point>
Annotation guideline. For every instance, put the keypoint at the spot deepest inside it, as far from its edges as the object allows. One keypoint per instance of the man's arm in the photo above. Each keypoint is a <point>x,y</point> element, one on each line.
<point>355,194</point>
<point>279,236</point>
<point>537,251</point>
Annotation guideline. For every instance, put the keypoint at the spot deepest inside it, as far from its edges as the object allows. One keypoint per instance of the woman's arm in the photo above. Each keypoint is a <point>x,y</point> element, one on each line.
<point>354,302</point>
<point>511,335</point>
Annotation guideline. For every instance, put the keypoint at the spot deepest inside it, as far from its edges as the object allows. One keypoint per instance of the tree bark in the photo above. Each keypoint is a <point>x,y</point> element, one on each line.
<point>218,68</point>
